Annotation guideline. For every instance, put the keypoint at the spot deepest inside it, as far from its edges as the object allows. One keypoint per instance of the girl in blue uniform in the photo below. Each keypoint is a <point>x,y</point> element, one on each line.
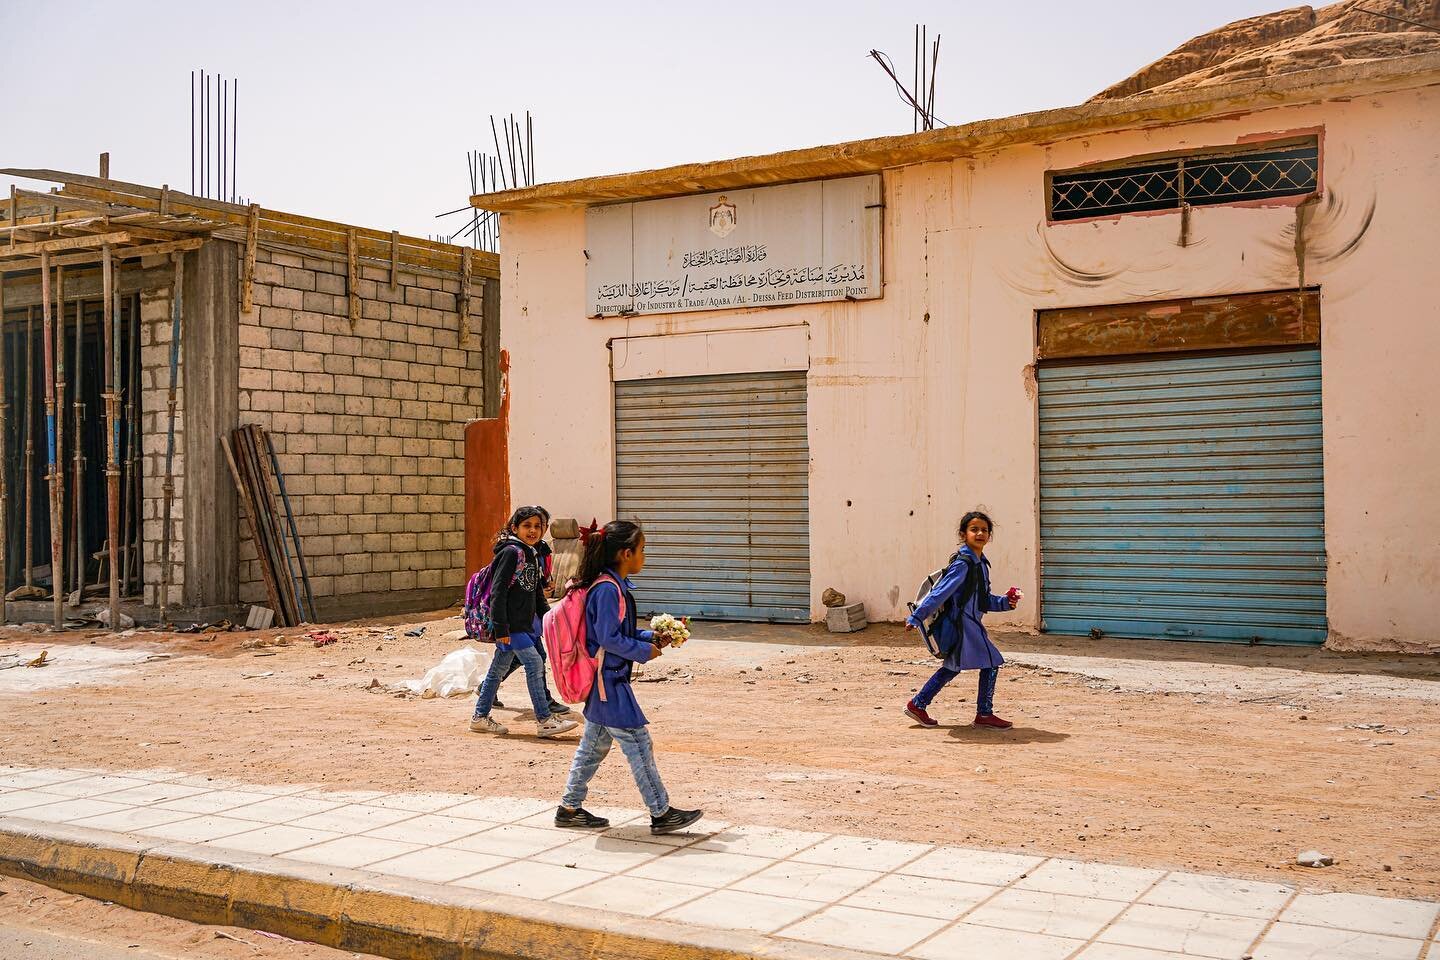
<point>611,556</point>
<point>517,602</point>
<point>962,596</point>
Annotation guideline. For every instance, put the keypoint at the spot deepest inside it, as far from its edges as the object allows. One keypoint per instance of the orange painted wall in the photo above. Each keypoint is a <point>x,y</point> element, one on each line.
<point>487,477</point>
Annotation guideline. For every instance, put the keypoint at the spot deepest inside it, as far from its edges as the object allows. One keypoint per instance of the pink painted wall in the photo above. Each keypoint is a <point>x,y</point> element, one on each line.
<point>922,404</point>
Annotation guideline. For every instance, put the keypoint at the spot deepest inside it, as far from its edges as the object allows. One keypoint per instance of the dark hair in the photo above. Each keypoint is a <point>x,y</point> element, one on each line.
<point>519,517</point>
<point>604,545</point>
<point>974,515</point>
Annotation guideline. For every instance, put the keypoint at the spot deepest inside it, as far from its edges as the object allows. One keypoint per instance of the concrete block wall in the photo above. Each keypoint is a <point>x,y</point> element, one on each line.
<point>155,337</point>
<point>368,421</point>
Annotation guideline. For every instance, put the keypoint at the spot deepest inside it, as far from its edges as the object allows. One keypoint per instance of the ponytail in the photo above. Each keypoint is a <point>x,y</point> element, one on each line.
<point>603,546</point>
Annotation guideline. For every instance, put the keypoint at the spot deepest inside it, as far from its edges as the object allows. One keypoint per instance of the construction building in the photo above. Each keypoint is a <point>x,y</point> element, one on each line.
<point>363,353</point>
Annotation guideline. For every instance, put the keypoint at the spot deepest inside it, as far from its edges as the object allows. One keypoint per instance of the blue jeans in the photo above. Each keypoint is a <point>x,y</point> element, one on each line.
<point>638,749</point>
<point>984,699</point>
<point>529,657</point>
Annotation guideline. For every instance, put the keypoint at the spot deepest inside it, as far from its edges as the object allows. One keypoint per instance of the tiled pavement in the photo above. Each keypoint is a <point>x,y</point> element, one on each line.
<point>899,899</point>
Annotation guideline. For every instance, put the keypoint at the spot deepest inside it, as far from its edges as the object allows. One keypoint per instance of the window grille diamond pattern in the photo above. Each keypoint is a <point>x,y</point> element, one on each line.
<point>1198,180</point>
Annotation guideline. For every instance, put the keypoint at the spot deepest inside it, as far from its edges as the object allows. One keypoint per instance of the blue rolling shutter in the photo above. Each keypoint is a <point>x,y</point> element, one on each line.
<point>716,469</point>
<point>1182,497</point>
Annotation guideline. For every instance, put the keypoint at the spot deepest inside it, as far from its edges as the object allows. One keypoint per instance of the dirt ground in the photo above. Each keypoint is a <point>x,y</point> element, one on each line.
<point>1215,758</point>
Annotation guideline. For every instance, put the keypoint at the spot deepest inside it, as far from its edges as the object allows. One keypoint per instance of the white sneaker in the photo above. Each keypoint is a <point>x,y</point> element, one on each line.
<point>487,724</point>
<point>554,726</point>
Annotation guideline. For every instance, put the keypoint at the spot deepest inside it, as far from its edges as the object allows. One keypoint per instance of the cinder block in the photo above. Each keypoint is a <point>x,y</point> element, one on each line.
<point>317,383</point>
<point>359,484</point>
<point>305,362</point>
<point>298,278</point>
<point>307,321</point>
<point>330,283</point>
<point>403,580</point>
<point>288,380</point>
<point>846,619</point>
<point>376,503</point>
<point>335,363</point>
<point>348,345</point>
<point>356,563</point>
<point>316,302</point>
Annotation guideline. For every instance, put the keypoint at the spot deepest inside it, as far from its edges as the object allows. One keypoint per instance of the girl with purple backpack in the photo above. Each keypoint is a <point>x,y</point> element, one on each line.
<point>516,603</point>
<point>612,714</point>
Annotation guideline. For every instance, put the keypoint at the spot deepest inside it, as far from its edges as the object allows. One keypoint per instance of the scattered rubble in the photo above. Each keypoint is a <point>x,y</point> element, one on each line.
<point>1314,858</point>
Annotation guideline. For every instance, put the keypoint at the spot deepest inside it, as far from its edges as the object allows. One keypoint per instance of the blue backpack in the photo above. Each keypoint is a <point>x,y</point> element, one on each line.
<point>479,593</point>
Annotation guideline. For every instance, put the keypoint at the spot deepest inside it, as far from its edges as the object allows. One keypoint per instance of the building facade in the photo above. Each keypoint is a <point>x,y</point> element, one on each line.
<point>1181,347</point>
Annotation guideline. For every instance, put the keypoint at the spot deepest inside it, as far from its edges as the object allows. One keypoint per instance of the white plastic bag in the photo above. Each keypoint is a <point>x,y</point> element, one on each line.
<point>457,675</point>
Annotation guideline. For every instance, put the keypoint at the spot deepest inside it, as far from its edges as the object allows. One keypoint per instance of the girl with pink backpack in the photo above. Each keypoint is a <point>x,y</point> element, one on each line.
<point>612,714</point>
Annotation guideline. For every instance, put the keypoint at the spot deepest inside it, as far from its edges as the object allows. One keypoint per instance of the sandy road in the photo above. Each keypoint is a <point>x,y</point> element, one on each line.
<point>1214,758</point>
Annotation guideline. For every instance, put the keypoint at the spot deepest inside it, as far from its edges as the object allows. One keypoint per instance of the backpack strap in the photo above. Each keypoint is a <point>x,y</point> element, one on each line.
<point>967,589</point>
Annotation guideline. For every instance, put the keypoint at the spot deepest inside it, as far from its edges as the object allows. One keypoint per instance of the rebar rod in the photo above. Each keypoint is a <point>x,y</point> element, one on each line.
<point>176,308</point>
<point>112,473</point>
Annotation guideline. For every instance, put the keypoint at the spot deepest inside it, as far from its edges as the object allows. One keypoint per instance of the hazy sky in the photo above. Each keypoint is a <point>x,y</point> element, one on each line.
<point>363,112</point>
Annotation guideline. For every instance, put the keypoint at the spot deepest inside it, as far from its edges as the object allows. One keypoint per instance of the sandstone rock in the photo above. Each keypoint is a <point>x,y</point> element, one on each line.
<point>1287,41</point>
<point>832,597</point>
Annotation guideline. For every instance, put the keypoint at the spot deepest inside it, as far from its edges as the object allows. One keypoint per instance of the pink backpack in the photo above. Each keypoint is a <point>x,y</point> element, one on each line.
<point>576,672</point>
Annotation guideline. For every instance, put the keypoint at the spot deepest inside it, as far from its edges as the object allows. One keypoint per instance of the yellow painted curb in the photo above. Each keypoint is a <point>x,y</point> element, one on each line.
<point>356,910</point>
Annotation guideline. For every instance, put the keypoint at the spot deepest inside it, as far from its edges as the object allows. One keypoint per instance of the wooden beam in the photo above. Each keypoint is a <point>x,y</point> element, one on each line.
<point>247,275</point>
<point>394,259</point>
<point>352,275</point>
<point>1247,320</point>
<point>65,243</point>
<point>462,306</point>
<point>95,256</point>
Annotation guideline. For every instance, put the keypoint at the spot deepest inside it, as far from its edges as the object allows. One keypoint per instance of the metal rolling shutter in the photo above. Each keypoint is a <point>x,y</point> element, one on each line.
<point>1182,497</point>
<point>716,469</point>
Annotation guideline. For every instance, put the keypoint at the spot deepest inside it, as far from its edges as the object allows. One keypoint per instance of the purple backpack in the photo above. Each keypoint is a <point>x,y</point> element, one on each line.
<point>479,624</point>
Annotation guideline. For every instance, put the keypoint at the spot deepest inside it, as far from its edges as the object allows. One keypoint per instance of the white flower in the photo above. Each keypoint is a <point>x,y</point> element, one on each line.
<point>676,630</point>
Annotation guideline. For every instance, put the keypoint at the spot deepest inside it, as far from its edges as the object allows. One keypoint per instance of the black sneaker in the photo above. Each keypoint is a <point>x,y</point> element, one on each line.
<point>579,818</point>
<point>496,703</point>
<point>557,707</point>
<point>673,819</point>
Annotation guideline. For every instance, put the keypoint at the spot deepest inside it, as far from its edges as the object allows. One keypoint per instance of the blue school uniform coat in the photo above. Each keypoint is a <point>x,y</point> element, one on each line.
<point>960,631</point>
<point>624,645</point>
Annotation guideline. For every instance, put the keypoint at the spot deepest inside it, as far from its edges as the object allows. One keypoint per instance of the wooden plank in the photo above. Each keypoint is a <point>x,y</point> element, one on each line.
<point>252,516</point>
<point>374,244</point>
<point>247,279</point>
<point>352,276</point>
<point>394,259</point>
<point>4,470</point>
<point>1282,318</point>
<point>95,256</point>
<point>463,306</point>
<point>24,291</point>
<point>66,243</point>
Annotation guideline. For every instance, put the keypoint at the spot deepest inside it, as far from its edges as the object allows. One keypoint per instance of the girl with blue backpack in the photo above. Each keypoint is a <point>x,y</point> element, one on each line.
<point>612,713</point>
<point>960,598</point>
<point>513,607</point>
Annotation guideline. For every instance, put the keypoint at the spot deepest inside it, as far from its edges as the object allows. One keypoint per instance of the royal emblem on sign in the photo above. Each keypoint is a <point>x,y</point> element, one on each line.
<point>722,218</point>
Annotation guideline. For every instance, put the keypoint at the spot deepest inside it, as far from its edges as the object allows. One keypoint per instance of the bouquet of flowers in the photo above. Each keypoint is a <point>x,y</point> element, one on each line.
<point>1015,595</point>
<point>674,629</point>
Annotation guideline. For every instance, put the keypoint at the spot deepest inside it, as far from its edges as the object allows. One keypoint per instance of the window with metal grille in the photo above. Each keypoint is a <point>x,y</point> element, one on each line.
<point>1167,184</point>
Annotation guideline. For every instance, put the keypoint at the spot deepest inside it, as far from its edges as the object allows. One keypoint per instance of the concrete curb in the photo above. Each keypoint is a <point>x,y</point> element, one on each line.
<point>357,910</point>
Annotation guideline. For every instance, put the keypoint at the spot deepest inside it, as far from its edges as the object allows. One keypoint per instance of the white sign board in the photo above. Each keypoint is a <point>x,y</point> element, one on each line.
<point>767,246</point>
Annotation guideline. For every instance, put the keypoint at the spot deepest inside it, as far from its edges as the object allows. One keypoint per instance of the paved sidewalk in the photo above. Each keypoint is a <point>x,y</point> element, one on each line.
<point>897,899</point>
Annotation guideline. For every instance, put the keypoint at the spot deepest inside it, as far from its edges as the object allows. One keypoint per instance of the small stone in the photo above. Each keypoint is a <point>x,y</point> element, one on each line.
<point>1314,858</point>
<point>1389,869</point>
<point>832,597</point>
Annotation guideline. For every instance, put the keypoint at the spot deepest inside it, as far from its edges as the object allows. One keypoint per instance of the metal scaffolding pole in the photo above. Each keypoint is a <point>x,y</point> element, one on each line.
<point>112,471</point>
<point>57,546</point>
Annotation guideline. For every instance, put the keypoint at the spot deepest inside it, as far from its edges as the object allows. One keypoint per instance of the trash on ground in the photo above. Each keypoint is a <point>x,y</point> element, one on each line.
<point>322,638</point>
<point>417,632</point>
<point>457,674</point>
<point>257,676</point>
<point>1314,858</point>
<point>125,621</point>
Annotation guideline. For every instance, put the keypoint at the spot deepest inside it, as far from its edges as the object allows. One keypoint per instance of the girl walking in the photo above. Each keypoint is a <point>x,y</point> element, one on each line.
<point>962,596</point>
<point>517,601</point>
<point>612,713</point>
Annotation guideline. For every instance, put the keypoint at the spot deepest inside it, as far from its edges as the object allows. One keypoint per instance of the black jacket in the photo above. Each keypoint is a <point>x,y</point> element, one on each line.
<point>518,594</point>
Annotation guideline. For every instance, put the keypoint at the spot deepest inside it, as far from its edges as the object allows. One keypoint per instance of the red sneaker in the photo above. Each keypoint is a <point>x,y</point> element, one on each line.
<point>990,720</point>
<point>919,715</point>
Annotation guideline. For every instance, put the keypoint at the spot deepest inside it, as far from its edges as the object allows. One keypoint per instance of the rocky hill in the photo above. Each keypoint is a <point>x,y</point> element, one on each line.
<point>1300,38</point>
